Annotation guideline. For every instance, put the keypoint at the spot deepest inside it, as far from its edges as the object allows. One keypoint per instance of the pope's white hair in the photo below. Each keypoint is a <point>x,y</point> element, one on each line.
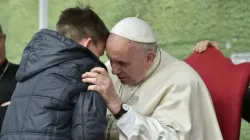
<point>146,47</point>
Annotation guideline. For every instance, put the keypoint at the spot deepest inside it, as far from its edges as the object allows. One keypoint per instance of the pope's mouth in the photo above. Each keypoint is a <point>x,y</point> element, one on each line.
<point>121,78</point>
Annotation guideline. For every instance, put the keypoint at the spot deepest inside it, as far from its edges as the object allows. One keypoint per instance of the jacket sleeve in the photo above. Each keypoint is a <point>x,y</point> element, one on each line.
<point>171,120</point>
<point>88,121</point>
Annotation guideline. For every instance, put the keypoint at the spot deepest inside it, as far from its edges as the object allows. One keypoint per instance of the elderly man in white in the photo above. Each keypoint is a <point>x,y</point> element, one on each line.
<point>150,94</point>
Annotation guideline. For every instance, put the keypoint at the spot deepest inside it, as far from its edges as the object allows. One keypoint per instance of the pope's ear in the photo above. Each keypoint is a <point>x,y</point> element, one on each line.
<point>150,58</point>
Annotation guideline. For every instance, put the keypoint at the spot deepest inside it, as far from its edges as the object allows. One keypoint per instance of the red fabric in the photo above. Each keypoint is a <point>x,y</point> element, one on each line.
<point>227,84</point>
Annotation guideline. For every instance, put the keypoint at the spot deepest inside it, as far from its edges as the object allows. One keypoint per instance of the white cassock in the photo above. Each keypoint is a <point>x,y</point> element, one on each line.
<point>173,103</point>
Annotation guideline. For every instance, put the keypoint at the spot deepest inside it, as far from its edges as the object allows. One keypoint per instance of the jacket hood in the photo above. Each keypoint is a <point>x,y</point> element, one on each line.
<point>47,49</point>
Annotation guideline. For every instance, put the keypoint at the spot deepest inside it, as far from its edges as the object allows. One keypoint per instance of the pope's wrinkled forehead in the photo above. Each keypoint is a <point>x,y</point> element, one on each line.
<point>117,43</point>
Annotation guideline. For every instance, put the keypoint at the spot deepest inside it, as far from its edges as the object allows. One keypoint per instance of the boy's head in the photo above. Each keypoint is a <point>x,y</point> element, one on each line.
<point>84,26</point>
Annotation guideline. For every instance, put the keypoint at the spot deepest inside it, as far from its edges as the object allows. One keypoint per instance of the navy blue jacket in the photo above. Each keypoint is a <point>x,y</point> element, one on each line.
<point>50,101</point>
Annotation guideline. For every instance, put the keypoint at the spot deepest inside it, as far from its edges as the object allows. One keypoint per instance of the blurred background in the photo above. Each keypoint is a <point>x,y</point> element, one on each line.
<point>178,24</point>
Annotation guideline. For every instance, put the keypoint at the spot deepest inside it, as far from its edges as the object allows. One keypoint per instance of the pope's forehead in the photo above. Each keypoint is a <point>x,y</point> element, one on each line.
<point>119,48</point>
<point>118,42</point>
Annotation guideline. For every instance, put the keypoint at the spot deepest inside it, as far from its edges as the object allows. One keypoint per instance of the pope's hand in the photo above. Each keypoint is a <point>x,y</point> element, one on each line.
<point>102,83</point>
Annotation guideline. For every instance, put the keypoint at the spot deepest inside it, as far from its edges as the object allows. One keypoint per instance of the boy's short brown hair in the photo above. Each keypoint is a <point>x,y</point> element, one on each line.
<point>81,22</point>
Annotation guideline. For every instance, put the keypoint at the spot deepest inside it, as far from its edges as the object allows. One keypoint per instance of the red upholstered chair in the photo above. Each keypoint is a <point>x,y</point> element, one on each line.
<point>227,84</point>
